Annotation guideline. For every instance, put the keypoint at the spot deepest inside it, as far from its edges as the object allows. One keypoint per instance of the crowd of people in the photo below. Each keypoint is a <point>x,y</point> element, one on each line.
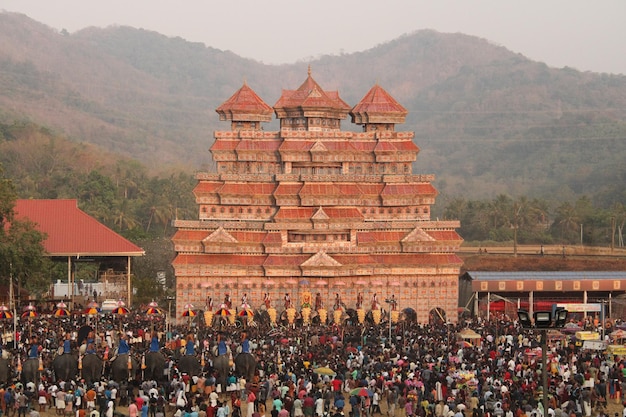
<point>351,369</point>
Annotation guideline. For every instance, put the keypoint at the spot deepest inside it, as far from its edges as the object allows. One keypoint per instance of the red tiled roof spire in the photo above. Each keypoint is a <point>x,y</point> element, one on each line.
<point>310,101</point>
<point>245,106</point>
<point>378,107</point>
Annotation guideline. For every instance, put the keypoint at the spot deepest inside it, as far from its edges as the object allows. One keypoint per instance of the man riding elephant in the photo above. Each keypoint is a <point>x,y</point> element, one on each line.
<point>245,363</point>
<point>30,369</point>
<point>189,363</point>
<point>65,363</point>
<point>222,362</point>
<point>155,361</point>
<point>123,365</point>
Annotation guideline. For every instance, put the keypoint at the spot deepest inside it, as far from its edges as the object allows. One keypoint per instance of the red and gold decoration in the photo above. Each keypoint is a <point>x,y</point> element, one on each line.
<point>306,315</point>
<point>376,316</point>
<point>395,316</point>
<point>337,316</point>
<point>272,313</point>
<point>306,307</point>
<point>208,318</point>
<point>291,315</point>
<point>360,314</point>
<point>323,315</point>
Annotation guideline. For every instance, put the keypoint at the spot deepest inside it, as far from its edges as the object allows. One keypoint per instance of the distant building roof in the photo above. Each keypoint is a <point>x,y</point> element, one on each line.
<point>72,232</point>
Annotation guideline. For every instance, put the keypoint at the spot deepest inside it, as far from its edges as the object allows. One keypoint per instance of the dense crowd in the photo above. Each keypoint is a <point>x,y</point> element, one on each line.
<point>350,369</point>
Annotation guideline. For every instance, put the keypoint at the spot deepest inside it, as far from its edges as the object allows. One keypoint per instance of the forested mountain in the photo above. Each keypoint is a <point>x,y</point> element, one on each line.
<point>488,121</point>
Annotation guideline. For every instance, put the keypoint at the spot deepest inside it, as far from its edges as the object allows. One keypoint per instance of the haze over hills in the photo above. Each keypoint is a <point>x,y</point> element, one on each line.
<point>487,120</point>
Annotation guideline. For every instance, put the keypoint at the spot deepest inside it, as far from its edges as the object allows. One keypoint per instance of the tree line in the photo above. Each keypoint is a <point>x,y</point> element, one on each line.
<point>523,220</point>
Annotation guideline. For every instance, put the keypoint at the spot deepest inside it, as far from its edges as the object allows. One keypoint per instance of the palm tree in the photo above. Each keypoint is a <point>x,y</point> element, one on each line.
<point>123,216</point>
<point>567,218</point>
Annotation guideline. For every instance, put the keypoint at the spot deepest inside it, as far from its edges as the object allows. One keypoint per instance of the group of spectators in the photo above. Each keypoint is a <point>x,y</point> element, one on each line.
<point>355,370</point>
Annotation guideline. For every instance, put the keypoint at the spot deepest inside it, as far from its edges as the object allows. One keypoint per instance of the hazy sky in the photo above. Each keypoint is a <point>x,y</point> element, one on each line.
<point>583,34</point>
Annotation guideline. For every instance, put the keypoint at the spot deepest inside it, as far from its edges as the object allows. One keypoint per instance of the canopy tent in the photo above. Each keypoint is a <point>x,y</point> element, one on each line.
<point>469,334</point>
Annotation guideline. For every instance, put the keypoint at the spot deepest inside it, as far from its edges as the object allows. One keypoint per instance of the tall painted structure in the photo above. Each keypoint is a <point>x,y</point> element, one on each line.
<point>316,209</point>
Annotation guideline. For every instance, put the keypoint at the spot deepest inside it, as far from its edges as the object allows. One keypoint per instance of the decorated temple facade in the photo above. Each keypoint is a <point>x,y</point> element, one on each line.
<point>315,212</point>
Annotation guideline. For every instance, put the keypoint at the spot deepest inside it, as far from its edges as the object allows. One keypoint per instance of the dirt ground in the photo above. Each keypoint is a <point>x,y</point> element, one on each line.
<point>613,408</point>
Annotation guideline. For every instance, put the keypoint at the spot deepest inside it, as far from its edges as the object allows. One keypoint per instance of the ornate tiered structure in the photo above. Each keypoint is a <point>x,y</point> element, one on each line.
<point>312,209</point>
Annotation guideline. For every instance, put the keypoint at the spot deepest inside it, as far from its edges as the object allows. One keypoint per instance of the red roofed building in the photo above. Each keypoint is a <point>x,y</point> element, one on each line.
<point>72,234</point>
<point>314,208</point>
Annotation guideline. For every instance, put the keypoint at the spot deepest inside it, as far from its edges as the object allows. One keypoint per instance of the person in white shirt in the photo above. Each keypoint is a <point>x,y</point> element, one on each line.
<point>319,407</point>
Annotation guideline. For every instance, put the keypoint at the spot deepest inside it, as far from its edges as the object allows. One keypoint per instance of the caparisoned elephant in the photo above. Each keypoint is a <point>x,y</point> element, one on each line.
<point>30,371</point>
<point>155,365</point>
<point>65,367</point>
<point>6,373</point>
<point>189,364</point>
<point>245,365</point>
<point>222,365</point>
<point>92,368</point>
<point>120,370</point>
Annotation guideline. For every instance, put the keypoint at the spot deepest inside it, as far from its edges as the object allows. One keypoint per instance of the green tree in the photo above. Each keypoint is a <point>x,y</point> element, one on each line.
<point>22,255</point>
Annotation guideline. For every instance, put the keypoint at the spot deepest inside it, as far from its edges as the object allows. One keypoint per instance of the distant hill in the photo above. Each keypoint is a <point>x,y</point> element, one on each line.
<point>487,120</point>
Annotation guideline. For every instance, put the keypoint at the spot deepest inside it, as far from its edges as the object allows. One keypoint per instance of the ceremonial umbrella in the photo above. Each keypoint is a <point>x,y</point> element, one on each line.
<point>61,312</point>
<point>223,312</point>
<point>5,313</point>
<point>153,309</point>
<point>362,392</point>
<point>92,310</point>
<point>189,313</point>
<point>246,312</point>
<point>120,311</point>
<point>324,370</point>
<point>29,314</point>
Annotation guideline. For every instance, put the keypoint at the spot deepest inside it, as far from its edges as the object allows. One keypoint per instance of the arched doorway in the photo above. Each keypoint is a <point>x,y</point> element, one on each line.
<point>409,315</point>
<point>437,316</point>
